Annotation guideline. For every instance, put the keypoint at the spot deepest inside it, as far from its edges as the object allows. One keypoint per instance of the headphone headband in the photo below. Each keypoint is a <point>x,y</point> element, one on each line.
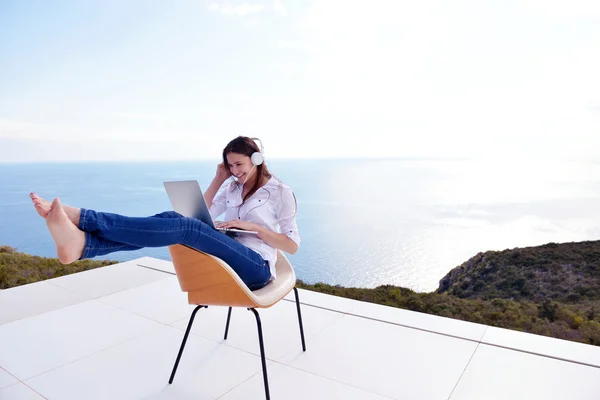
<point>260,142</point>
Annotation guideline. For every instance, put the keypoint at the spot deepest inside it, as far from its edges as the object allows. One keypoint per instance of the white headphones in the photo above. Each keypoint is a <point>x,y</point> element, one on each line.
<point>257,158</point>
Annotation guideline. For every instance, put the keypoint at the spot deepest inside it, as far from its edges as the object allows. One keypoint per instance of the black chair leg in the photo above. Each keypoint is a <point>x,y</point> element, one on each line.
<point>300,319</point>
<point>187,332</point>
<point>262,352</point>
<point>227,326</point>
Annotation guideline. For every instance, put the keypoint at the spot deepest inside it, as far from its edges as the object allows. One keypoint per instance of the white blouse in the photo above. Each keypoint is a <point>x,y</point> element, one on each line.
<point>272,206</point>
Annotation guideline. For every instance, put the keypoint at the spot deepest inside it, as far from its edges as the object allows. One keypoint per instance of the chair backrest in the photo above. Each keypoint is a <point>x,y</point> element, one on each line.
<point>210,281</point>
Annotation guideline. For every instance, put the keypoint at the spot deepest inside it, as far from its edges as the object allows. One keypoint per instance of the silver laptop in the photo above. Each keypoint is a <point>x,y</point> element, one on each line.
<point>187,199</point>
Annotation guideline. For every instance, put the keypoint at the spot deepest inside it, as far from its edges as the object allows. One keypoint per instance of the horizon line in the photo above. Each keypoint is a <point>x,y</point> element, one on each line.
<point>328,158</point>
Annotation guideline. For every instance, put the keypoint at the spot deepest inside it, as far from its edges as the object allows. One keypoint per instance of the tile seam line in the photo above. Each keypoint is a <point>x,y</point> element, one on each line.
<point>478,341</point>
<point>542,355</point>
<point>156,269</point>
<point>107,294</point>
<point>238,385</point>
<point>332,379</point>
<point>35,391</point>
<point>463,371</point>
<point>27,386</point>
<point>89,355</point>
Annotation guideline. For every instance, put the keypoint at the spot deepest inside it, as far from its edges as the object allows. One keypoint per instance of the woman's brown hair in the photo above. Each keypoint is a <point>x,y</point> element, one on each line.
<point>246,146</point>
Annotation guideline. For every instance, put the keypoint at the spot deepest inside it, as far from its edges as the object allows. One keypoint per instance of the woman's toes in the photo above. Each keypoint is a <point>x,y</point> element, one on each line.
<point>43,207</point>
<point>42,210</point>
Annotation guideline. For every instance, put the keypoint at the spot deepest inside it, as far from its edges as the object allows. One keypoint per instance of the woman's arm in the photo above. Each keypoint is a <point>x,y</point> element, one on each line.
<point>273,239</point>
<point>277,240</point>
<point>212,190</point>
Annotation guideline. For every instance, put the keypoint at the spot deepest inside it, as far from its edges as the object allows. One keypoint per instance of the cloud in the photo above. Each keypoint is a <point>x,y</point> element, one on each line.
<point>562,9</point>
<point>289,44</point>
<point>136,116</point>
<point>24,130</point>
<point>240,10</point>
<point>128,127</point>
<point>279,8</point>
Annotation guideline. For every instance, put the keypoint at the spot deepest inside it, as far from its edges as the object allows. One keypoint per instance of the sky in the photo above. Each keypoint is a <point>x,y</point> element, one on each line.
<point>176,80</point>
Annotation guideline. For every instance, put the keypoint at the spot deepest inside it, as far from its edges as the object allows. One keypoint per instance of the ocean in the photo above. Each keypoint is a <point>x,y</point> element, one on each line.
<point>363,223</point>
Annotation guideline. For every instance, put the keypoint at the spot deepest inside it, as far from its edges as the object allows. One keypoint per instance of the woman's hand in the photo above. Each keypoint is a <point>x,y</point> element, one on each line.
<point>239,224</point>
<point>273,239</point>
<point>222,173</point>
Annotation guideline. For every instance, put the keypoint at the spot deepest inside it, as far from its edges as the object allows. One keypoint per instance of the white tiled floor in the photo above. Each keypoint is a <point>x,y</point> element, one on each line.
<point>24,301</point>
<point>41,343</point>
<point>161,301</point>
<point>386,359</point>
<point>155,263</point>
<point>561,349</point>
<point>123,344</point>
<point>447,326</point>
<point>6,379</point>
<point>19,392</point>
<point>110,279</point>
<point>141,368</point>
<point>496,373</point>
<point>324,300</point>
<point>293,384</point>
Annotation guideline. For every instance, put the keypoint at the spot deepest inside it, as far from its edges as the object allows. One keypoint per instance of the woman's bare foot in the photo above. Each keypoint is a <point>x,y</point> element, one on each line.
<point>43,207</point>
<point>70,241</point>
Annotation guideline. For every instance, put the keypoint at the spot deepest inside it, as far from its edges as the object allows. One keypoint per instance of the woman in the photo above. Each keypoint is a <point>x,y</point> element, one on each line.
<point>256,201</point>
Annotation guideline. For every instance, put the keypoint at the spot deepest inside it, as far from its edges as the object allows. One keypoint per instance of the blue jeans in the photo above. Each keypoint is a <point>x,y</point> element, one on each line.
<point>106,233</point>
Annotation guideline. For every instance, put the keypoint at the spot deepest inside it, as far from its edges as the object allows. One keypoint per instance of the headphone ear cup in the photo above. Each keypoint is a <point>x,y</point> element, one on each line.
<point>257,158</point>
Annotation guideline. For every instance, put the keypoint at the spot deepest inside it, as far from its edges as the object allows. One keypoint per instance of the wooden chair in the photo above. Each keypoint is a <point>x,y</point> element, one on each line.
<point>209,281</point>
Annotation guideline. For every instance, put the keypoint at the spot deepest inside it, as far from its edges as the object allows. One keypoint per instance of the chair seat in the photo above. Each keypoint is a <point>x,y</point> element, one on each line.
<point>208,280</point>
